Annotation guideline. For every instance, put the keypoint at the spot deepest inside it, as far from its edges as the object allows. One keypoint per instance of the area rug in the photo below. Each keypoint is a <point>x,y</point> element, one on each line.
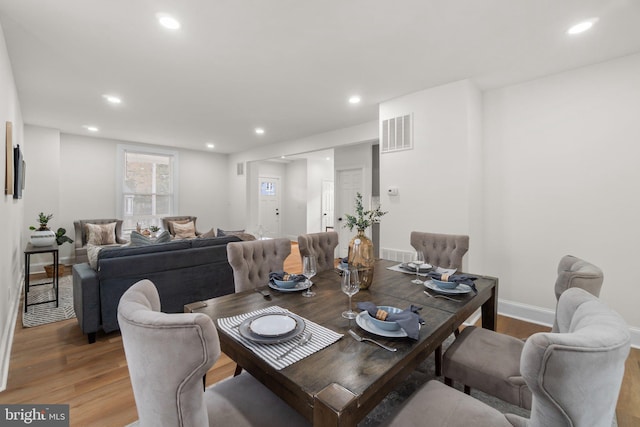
<point>42,314</point>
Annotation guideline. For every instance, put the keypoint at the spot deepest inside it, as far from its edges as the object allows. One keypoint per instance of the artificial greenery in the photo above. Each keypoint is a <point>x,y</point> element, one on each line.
<point>61,237</point>
<point>363,219</point>
<point>43,220</point>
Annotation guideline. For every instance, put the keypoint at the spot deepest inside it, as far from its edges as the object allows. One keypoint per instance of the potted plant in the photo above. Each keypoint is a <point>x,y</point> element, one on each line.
<point>361,247</point>
<point>154,229</point>
<point>42,236</point>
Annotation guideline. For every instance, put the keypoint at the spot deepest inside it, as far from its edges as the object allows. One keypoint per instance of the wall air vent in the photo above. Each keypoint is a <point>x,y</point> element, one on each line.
<point>397,134</point>
<point>240,168</point>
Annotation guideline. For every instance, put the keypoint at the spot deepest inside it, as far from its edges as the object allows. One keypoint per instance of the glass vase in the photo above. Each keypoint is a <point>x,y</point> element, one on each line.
<point>361,258</point>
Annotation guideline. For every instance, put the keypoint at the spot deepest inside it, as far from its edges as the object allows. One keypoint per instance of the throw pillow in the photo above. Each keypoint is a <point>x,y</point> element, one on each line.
<point>170,225</point>
<point>208,234</point>
<point>184,231</point>
<point>101,234</point>
<point>222,232</point>
<point>138,239</point>
<point>92,254</point>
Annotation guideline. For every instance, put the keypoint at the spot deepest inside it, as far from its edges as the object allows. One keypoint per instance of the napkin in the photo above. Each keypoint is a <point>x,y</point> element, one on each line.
<point>465,279</point>
<point>407,319</point>
<point>278,275</point>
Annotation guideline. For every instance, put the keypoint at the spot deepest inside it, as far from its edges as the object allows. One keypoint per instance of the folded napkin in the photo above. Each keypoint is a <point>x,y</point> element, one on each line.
<point>278,275</point>
<point>465,279</point>
<point>409,267</point>
<point>407,319</point>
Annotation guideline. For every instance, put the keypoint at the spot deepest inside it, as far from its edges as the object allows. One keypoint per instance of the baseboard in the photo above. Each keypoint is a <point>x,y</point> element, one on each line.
<point>7,334</point>
<point>545,317</point>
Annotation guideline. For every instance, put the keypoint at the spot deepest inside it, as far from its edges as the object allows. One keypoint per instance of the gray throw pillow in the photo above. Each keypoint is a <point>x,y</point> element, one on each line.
<point>222,232</point>
<point>138,239</point>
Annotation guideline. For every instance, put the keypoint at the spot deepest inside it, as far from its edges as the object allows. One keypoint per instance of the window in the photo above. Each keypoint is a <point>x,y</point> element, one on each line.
<point>147,183</point>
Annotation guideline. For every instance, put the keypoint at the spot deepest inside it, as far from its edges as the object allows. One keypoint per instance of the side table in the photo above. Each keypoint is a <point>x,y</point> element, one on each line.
<point>31,250</point>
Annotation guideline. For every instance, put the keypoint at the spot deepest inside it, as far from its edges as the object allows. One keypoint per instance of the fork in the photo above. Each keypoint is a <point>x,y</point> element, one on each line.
<point>362,339</point>
<point>441,296</point>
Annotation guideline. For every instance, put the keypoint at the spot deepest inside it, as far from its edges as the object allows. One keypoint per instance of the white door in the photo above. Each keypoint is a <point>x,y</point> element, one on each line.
<point>350,182</point>
<point>327,204</point>
<point>269,206</point>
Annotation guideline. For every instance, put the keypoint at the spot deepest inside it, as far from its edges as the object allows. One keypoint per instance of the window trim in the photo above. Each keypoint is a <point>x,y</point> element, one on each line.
<point>120,167</point>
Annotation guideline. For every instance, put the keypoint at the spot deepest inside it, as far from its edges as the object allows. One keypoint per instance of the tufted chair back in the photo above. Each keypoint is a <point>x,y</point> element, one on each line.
<point>320,245</point>
<point>441,250</point>
<point>575,375</point>
<point>167,355</point>
<point>252,261</point>
<point>576,273</point>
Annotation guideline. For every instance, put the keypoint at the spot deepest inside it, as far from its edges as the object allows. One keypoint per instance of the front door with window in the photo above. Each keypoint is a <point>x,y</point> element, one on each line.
<point>269,206</point>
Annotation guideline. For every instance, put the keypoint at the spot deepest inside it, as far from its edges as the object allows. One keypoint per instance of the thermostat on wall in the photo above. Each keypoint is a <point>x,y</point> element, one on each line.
<point>392,191</point>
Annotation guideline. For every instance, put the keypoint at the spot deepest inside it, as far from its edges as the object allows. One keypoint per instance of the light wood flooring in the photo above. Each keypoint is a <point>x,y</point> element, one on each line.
<point>54,364</point>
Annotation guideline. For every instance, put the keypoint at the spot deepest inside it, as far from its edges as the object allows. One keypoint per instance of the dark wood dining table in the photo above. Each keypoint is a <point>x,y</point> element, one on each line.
<point>340,384</point>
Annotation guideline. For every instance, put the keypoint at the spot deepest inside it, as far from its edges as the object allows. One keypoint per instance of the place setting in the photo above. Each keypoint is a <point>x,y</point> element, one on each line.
<point>278,336</point>
<point>447,285</point>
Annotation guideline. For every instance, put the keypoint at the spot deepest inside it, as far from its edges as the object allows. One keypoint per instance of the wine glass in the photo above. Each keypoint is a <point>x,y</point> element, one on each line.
<point>418,260</point>
<point>308,271</point>
<point>350,286</point>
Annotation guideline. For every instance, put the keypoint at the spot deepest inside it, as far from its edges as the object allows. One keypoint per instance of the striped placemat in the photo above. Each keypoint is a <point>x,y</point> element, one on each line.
<point>321,338</point>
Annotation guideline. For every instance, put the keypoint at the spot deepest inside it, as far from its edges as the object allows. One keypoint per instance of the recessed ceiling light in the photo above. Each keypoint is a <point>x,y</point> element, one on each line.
<point>91,128</point>
<point>168,21</point>
<point>581,27</point>
<point>328,158</point>
<point>282,157</point>
<point>210,145</point>
<point>112,99</point>
<point>259,131</point>
<point>355,99</point>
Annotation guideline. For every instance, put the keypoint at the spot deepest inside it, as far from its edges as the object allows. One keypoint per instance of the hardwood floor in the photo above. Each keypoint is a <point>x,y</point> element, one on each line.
<point>54,364</point>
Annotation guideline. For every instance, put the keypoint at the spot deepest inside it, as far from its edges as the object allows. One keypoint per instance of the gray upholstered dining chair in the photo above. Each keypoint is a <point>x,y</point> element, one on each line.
<point>490,361</point>
<point>320,245</point>
<point>252,261</point>
<point>441,250</point>
<point>169,354</point>
<point>575,375</point>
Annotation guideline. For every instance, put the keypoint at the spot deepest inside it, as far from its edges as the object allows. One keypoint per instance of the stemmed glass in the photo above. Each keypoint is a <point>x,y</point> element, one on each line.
<point>350,286</point>
<point>308,271</point>
<point>418,260</point>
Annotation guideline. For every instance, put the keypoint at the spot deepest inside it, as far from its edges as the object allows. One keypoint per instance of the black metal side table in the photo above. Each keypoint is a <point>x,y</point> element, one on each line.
<point>31,250</point>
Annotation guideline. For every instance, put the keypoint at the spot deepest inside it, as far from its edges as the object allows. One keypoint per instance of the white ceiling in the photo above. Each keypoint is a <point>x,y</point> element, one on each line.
<point>285,65</point>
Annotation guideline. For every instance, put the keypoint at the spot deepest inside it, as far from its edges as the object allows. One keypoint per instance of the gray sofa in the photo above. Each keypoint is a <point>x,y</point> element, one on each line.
<point>184,271</point>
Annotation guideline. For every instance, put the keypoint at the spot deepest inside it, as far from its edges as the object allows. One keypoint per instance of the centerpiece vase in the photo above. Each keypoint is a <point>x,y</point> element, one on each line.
<point>361,258</point>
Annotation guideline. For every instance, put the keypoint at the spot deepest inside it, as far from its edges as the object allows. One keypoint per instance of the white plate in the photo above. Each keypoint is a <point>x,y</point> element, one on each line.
<point>409,266</point>
<point>460,289</point>
<point>363,321</point>
<point>272,325</point>
<point>246,332</point>
<point>300,286</point>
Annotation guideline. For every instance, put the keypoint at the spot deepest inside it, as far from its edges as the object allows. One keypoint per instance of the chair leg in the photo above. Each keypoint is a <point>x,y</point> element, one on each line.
<point>448,381</point>
<point>204,382</point>
<point>467,389</point>
<point>238,371</point>
<point>456,332</point>
<point>438,359</point>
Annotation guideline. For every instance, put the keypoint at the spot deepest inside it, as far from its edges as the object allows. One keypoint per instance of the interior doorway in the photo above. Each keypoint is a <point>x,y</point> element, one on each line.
<point>349,183</point>
<point>327,210</point>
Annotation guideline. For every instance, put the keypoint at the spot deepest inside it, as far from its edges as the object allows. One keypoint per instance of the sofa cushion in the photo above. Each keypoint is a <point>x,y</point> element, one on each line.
<point>240,233</point>
<point>208,234</point>
<point>138,239</point>
<point>121,251</point>
<point>213,241</point>
<point>101,234</point>
<point>184,231</point>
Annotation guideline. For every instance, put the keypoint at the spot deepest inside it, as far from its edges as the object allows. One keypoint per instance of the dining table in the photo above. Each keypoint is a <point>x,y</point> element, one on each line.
<point>342,382</point>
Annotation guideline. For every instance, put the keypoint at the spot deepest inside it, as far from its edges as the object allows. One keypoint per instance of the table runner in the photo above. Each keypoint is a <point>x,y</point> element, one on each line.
<point>322,337</point>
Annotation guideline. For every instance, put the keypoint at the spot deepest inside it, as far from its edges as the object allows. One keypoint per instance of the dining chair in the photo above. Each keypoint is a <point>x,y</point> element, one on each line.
<point>320,245</point>
<point>252,261</point>
<point>169,354</point>
<point>441,250</point>
<point>490,361</point>
<point>574,374</point>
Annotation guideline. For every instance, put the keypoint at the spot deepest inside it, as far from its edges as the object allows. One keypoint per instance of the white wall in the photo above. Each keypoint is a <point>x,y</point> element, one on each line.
<point>14,230</point>
<point>562,177</point>
<point>435,181</point>
<point>318,169</point>
<point>295,199</point>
